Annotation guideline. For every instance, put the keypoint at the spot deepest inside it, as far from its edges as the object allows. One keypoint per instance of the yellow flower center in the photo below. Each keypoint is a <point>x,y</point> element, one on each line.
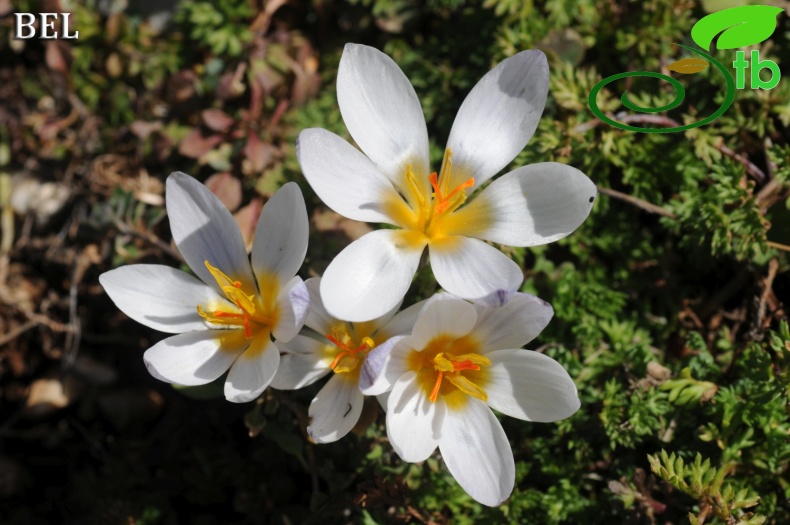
<point>432,215</point>
<point>351,354</point>
<point>451,368</point>
<point>250,313</point>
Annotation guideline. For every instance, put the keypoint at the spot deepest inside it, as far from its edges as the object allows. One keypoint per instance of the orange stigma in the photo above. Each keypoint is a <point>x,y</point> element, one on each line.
<point>347,360</point>
<point>445,201</point>
<point>446,198</point>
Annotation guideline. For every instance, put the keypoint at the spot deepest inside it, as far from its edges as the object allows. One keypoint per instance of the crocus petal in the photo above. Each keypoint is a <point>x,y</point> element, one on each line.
<point>498,117</point>
<point>160,297</point>
<point>204,230</point>
<point>383,399</point>
<point>281,236</point>
<point>304,345</point>
<point>477,453</point>
<point>335,410</point>
<point>318,318</point>
<point>384,365</point>
<point>453,318</point>
<point>401,323</point>
<point>253,370</point>
<point>302,363</point>
<point>530,206</point>
<point>371,275</point>
<point>531,386</point>
<point>345,179</point>
<point>472,269</point>
<point>293,305</point>
<point>195,358</point>
<point>513,324</point>
<point>414,423</point>
<point>382,113</point>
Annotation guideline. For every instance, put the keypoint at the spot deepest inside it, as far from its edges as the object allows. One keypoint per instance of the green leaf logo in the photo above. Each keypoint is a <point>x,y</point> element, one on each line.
<point>688,66</point>
<point>742,26</point>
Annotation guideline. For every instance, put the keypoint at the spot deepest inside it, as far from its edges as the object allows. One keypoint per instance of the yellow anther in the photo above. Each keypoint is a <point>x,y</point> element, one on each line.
<point>477,359</point>
<point>346,364</point>
<point>467,387</point>
<point>450,367</point>
<point>232,289</point>
<point>411,179</point>
<point>442,364</point>
<point>447,169</point>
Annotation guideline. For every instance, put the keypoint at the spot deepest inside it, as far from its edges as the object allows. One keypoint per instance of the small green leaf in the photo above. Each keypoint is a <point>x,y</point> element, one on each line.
<point>742,26</point>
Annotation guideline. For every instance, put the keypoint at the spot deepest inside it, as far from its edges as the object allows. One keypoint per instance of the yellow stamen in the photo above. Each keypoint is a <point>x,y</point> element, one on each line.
<point>451,367</point>
<point>232,289</point>
<point>411,179</point>
<point>244,302</point>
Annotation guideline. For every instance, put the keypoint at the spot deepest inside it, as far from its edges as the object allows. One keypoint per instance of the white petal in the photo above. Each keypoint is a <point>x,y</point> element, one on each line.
<point>531,386</point>
<point>383,399</point>
<point>472,269</point>
<point>345,179</point>
<point>204,230</point>
<point>435,298</point>
<point>160,297</point>
<point>293,305</point>
<point>498,117</point>
<point>402,323</point>
<point>253,370</point>
<point>318,318</point>
<point>531,205</point>
<point>281,235</point>
<point>335,410</point>
<point>477,453</point>
<point>384,365</point>
<point>454,318</point>
<point>382,113</point>
<point>371,275</point>
<point>195,358</point>
<point>303,362</point>
<point>304,345</point>
<point>513,324</point>
<point>414,424</point>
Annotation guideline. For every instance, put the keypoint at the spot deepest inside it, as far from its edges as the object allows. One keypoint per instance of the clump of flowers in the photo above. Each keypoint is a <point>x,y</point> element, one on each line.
<point>439,366</point>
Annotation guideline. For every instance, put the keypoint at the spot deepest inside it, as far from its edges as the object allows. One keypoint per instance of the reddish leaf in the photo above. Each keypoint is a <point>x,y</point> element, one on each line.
<point>230,84</point>
<point>260,154</point>
<point>56,61</point>
<point>144,129</point>
<point>217,120</point>
<point>195,144</point>
<point>227,188</point>
<point>247,219</point>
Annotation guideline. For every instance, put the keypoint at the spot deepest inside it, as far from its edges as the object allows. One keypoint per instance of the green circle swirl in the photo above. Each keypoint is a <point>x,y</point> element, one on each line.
<point>680,94</point>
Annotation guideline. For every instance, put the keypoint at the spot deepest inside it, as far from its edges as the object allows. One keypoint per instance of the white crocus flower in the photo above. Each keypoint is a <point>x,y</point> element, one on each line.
<point>460,360</point>
<point>225,319</point>
<point>391,182</point>
<point>339,347</point>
